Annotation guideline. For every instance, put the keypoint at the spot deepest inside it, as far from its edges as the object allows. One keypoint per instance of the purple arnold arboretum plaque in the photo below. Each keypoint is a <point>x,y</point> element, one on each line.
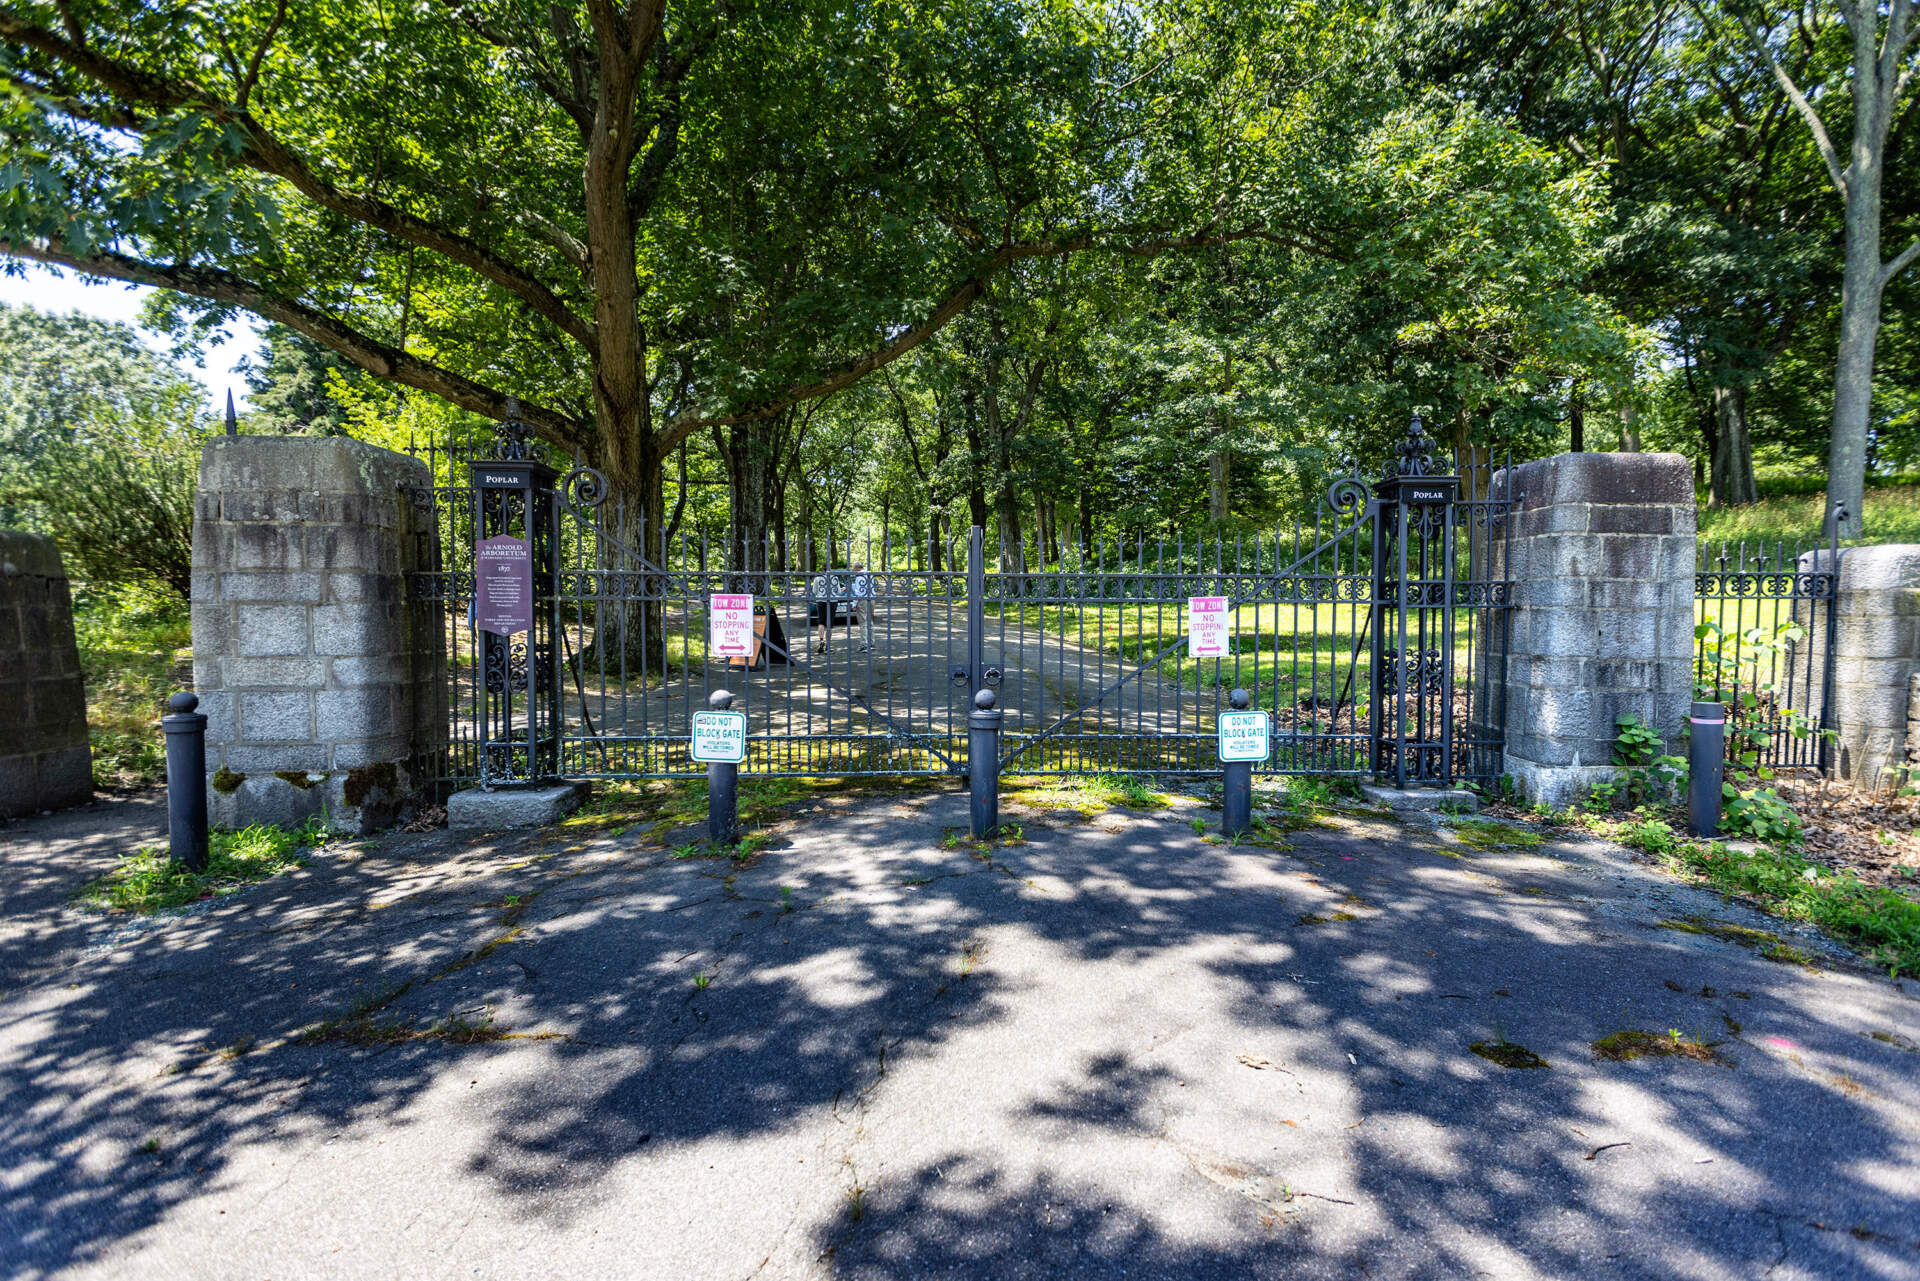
<point>503,585</point>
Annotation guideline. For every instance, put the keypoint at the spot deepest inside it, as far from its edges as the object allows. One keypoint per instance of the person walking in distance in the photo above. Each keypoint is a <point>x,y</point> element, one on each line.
<point>863,604</point>
<point>822,594</point>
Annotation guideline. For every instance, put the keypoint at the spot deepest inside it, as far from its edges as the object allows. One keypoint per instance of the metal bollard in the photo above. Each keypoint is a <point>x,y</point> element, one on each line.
<point>723,787</point>
<point>1706,762</point>
<point>1236,798</point>
<point>983,764</point>
<point>186,732</point>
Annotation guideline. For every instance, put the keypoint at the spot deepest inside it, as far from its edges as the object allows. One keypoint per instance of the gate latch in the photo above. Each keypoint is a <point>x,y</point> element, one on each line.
<point>959,676</point>
<point>991,676</point>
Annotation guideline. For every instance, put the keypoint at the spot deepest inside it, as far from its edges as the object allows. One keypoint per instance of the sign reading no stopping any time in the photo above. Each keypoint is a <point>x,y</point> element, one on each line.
<point>1207,626</point>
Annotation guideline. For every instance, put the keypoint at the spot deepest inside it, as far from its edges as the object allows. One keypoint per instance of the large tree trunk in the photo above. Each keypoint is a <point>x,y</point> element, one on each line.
<point>1860,292</point>
<point>748,450</point>
<point>1629,430</point>
<point>1219,472</point>
<point>1733,483</point>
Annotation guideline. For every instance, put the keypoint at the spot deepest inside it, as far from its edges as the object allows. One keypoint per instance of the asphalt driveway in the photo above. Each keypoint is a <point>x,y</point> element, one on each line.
<point>1113,1048</point>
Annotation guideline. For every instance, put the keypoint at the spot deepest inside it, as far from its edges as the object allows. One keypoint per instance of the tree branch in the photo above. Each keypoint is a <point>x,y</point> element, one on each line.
<point>377,358</point>
<point>1901,262</point>
<point>266,153</point>
<point>252,76</point>
<point>1799,100</point>
<point>963,296</point>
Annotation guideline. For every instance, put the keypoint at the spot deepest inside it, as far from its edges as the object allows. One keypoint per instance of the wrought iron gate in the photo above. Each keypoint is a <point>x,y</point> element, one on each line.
<point>1374,636</point>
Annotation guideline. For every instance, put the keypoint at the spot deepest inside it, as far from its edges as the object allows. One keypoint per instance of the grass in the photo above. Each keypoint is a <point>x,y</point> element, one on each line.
<point>131,639</point>
<point>1490,834</point>
<point>1893,516</point>
<point>1881,923</point>
<point>147,881</point>
<point>1631,1043</point>
<point>1086,796</point>
<point>1771,946</point>
<point>1272,646</point>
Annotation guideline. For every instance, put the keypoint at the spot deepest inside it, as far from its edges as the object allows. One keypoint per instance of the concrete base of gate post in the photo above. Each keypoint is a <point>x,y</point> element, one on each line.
<point>1406,799</point>
<point>473,810</point>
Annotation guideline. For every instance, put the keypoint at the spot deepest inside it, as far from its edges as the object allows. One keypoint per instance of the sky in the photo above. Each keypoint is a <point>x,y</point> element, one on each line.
<point>110,300</point>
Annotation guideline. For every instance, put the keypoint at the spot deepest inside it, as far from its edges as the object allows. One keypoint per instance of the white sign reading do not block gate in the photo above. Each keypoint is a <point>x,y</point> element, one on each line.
<point>720,738</point>
<point>1207,626</point>
<point>1245,736</point>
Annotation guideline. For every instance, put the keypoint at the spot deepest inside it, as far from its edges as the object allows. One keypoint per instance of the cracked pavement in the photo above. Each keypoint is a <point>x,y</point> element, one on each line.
<point>1113,1048</point>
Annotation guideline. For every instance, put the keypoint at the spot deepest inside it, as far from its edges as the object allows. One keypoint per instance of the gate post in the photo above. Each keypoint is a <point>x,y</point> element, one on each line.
<point>186,732</point>
<point>516,619</point>
<point>976,608</point>
<point>723,786</point>
<point>1236,797</point>
<point>983,764</point>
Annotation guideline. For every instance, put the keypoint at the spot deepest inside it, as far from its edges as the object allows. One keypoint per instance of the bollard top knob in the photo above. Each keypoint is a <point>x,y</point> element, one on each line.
<point>720,700</point>
<point>1239,700</point>
<point>984,700</point>
<point>183,702</point>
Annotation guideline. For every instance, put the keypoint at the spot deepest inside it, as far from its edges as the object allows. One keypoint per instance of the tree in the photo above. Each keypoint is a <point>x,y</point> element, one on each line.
<point>291,389</point>
<point>645,220</point>
<point>99,446</point>
<point>1881,63</point>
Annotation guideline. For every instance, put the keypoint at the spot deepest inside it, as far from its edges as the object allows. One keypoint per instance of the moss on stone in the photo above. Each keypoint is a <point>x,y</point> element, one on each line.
<point>226,782</point>
<point>362,783</point>
<point>299,778</point>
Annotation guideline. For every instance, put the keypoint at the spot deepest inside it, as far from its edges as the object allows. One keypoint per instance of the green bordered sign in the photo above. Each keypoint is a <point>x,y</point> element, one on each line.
<point>1244,736</point>
<point>720,737</point>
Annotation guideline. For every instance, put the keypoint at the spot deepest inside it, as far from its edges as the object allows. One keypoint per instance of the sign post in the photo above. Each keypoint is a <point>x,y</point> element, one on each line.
<point>1244,737</point>
<point>1207,626</point>
<point>720,739</point>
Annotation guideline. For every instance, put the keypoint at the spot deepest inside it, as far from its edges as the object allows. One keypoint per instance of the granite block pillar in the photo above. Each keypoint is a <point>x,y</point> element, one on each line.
<point>1876,654</point>
<point>1601,555</point>
<point>45,760</point>
<point>324,687</point>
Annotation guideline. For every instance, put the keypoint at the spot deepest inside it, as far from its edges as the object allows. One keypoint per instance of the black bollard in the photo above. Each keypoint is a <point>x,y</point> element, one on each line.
<point>1236,799</point>
<point>723,787</point>
<point>983,765</point>
<point>186,732</point>
<point>1706,762</point>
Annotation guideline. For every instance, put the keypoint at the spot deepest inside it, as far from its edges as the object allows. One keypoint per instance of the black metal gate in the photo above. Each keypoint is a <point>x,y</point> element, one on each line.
<point>1374,637</point>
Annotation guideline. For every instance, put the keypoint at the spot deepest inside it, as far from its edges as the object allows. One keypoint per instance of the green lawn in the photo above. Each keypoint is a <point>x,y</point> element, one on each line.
<point>131,642</point>
<point>1893,516</point>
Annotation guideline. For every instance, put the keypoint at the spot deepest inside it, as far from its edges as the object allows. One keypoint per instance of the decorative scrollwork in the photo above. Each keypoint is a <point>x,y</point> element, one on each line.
<point>584,488</point>
<point>1416,452</point>
<point>1347,497</point>
<point>514,439</point>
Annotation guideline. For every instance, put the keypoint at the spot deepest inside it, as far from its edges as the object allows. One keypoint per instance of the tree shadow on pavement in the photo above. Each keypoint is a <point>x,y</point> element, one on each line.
<point>1109,1049</point>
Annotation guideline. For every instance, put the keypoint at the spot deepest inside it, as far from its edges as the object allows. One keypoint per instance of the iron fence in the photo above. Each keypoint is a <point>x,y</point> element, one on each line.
<point>1764,638</point>
<point>868,650</point>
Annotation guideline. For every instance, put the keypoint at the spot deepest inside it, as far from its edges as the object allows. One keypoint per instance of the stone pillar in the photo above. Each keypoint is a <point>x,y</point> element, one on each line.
<point>323,686</point>
<point>1876,652</point>
<point>1601,555</point>
<point>45,760</point>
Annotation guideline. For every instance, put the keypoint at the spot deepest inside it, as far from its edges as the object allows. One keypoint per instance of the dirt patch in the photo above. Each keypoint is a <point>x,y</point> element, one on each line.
<point>1508,1055</point>
<point>1631,1043</point>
